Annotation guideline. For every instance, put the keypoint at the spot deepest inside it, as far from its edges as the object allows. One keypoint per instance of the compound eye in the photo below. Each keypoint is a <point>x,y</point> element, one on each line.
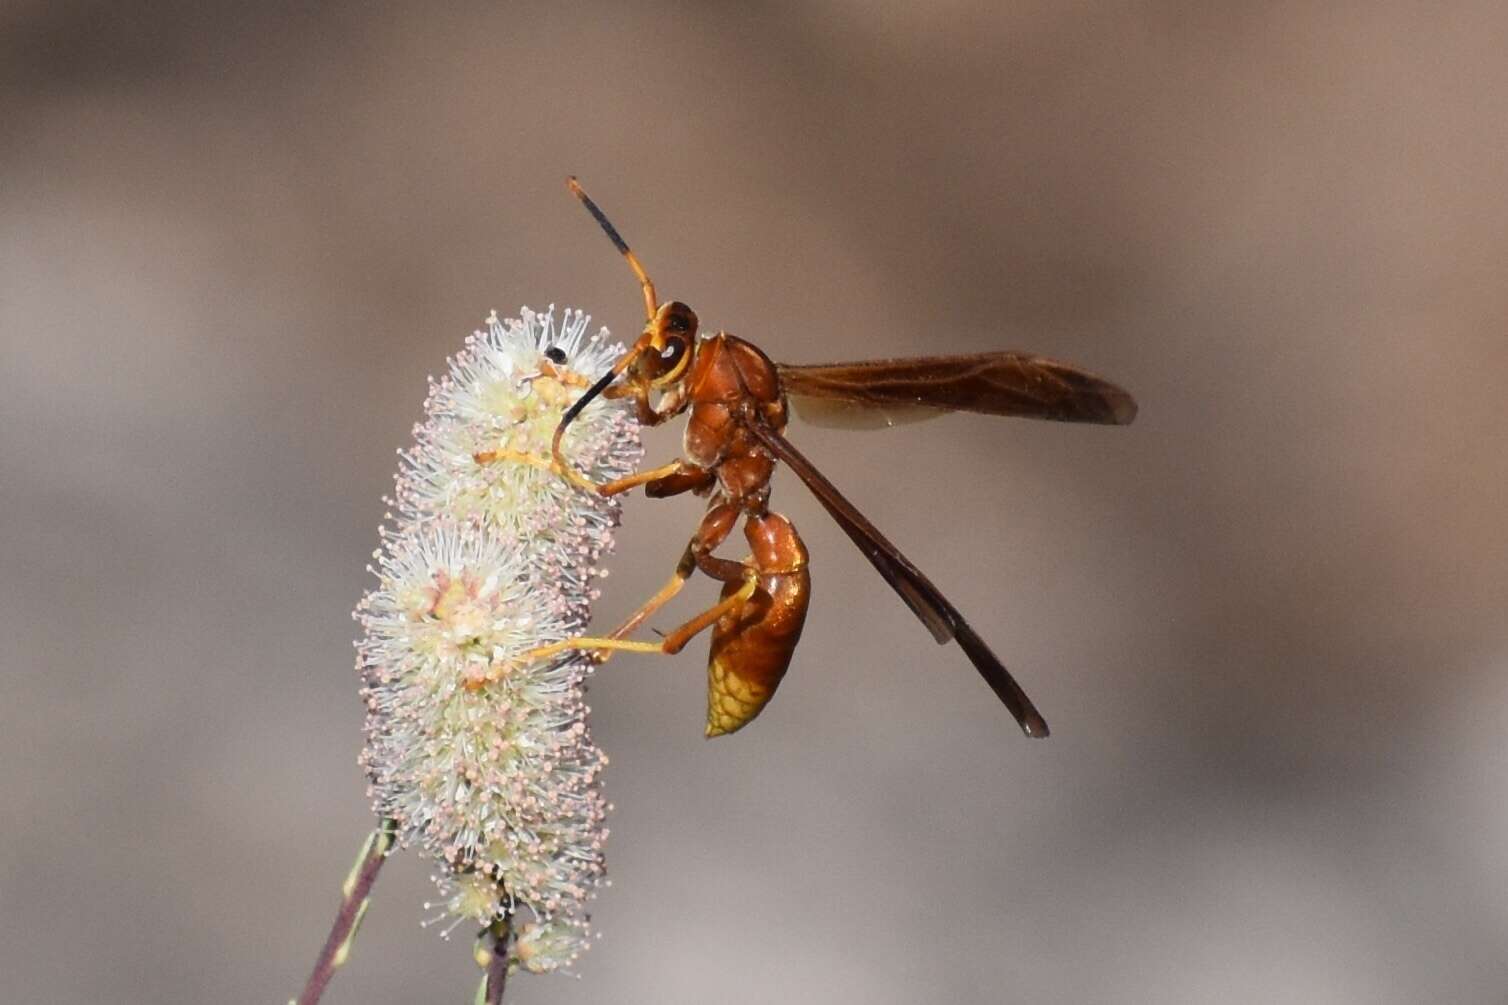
<point>555,354</point>
<point>675,348</point>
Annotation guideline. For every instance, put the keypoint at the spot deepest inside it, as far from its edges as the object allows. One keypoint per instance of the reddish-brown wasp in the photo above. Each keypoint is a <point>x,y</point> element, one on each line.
<point>737,399</point>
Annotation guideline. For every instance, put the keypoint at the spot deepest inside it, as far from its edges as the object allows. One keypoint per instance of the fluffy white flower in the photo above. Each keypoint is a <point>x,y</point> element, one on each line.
<point>483,761</point>
<point>505,392</point>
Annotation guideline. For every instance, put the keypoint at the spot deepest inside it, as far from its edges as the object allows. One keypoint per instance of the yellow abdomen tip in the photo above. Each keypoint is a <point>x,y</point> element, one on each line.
<point>732,701</point>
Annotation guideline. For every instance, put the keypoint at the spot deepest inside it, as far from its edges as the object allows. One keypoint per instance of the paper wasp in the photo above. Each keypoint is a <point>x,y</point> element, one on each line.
<point>737,399</point>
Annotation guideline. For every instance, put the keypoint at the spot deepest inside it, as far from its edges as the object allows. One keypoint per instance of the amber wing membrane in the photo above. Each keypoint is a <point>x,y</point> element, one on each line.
<point>833,413</point>
<point>994,383</point>
<point>925,600</point>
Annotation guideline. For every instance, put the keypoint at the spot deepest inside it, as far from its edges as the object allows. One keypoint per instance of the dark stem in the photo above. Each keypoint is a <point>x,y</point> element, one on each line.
<point>353,906</point>
<point>497,967</point>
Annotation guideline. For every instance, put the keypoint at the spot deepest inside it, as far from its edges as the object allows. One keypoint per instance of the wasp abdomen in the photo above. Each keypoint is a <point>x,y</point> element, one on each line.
<point>752,649</point>
<point>752,646</point>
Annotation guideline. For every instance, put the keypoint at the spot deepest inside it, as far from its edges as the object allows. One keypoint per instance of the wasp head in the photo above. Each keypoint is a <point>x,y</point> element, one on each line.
<point>662,356</point>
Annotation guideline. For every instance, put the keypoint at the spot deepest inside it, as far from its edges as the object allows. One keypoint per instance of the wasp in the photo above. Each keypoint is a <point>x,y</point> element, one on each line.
<point>738,404</point>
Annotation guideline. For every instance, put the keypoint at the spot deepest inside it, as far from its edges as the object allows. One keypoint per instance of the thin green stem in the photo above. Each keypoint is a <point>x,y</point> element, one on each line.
<point>353,907</point>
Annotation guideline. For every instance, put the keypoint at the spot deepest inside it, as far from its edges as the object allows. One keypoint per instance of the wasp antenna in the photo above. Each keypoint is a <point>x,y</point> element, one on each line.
<point>581,403</point>
<point>651,304</point>
<point>586,399</point>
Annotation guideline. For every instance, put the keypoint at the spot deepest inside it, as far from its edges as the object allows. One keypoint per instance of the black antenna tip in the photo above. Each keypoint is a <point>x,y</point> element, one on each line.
<point>597,214</point>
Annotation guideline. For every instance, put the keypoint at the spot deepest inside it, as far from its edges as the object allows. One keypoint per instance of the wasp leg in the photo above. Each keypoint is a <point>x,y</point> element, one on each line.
<point>666,593</point>
<point>689,479</point>
<point>517,456</point>
<point>668,646</point>
<point>672,403</point>
<point>675,469</point>
<point>714,529</point>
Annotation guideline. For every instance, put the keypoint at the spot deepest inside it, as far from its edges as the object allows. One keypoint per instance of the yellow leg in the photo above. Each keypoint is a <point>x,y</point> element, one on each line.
<point>517,456</point>
<point>732,604</point>
<point>616,486</point>
<point>666,593</point>
<point>668,646</point>
<point>612,488</point>
<point>714,529</point>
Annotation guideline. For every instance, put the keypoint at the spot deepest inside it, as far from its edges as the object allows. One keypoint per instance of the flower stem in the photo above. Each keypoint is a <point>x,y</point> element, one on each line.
<point>492,953</point>
<point>353,907</point>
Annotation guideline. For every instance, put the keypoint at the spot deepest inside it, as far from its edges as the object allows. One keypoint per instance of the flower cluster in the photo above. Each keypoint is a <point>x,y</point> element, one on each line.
<point>482,759</point>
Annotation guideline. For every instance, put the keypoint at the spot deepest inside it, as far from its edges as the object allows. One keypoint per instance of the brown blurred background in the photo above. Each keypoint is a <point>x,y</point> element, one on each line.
<point>1266,622</point>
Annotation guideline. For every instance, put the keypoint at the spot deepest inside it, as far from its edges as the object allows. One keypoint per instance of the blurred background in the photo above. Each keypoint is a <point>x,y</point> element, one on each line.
<point>1266,622</point>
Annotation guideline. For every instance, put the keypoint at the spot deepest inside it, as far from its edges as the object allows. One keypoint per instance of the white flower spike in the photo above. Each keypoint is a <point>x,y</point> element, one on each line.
<point>483,763</point>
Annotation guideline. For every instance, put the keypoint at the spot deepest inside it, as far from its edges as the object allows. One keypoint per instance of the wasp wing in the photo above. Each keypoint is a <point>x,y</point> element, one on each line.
<point>925,600</point>
<point>993,383</point>
<point>835,413</point>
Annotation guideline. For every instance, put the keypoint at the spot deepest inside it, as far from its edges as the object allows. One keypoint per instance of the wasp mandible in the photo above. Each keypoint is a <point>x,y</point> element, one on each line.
<point>735,434</point>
